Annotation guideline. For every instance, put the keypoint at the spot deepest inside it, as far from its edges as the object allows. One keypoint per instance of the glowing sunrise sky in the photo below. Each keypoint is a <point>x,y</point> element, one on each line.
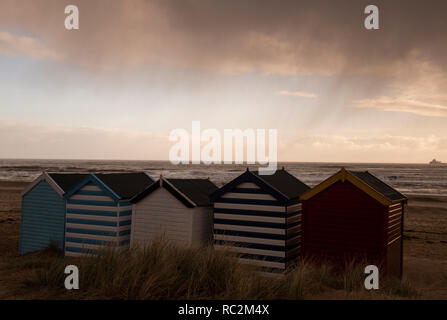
<point>138,69</point>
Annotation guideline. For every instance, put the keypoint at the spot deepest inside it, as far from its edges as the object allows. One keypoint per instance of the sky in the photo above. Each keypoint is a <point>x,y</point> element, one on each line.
<point>136,70</point>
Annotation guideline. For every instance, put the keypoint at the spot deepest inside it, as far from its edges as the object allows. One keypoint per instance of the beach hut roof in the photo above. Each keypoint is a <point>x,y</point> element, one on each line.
<point>365,181</point>
<point>378,185</point>
<point>283,185</point>
<point>120,186</point>
<point>126,185</point>
<point>66,181</point>
<point>191,192</point>
<point>60,182</point>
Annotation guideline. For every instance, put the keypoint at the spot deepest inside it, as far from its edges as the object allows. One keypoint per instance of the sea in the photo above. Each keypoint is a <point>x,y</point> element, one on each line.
<point>410,179</point>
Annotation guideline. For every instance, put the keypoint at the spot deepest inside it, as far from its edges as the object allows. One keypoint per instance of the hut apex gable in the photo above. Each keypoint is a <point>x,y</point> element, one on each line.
<point>344,175</point>
<point>162,183</point>
<point>281,185</point>
<point>248,176</point>
<point>162,197</point>
<point>44,177</point>
<point>191,192</point>
<point>92,178</point>
<point>169,185</point>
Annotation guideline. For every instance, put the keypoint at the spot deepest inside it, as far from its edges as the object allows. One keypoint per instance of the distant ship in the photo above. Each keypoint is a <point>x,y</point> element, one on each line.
<point>435,162</point>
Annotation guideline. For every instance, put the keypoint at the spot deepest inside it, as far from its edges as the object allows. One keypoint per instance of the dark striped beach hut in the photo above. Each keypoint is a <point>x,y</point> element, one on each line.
<point>178,210</point>
<point>42,222</point>
<point>258,217</point>
<point>354,215</point>
<point>99,212</point>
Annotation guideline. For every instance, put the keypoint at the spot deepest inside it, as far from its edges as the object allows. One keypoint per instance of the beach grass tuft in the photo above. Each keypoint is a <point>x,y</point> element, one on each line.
<point>163,270</point>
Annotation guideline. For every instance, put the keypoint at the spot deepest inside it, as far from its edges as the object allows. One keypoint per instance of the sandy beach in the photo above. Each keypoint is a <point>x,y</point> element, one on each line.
<point>425,245</point>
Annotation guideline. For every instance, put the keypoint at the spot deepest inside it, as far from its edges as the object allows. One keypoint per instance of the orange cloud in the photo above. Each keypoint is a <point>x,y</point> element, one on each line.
<point>417,86</point>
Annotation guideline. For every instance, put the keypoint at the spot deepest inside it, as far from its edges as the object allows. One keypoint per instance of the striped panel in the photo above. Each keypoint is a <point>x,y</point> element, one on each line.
<point>247,239</point>
<point>244,195</point>
<point>88,241</point>
<point>91,231</point>
<point>251,212</point>
<point>253,225</point>
<point>294,229</point>
<point>293,219</point>
<point>251,201</point>
<point>91,187</point>
<point>91,193</point>
<point>294,240</point>
<point>279,247</point>
<point>251,234</point>
<point>95,216</point>
<point>293,223</point>
<point>124,232</point>
<point>280,231</point>
<point>248,190</point>
<point>394,223</point>
<point>125,223</point>
<point>242,217</point>
<point>93,202</point>
<point>78,207</point>
<point>124,237</point>
<point>254,207</point>
<point>294,208</point>
<point>126,213</point>
<point>250,185</point>
<point>92,225</point>
<point>90,197</point>
<point>267,262</point>
<point>93,221</point>
<point>88,237</point>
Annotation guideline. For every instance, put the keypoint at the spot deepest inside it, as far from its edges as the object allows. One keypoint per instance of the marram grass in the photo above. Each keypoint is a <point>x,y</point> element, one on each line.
<point>162,270</point>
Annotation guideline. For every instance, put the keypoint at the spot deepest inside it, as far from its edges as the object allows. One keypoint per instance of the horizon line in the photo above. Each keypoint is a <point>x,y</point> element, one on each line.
<point>242,164</point>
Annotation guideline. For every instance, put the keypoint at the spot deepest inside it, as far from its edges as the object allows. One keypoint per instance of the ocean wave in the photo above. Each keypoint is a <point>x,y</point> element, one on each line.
<point>407,178</point>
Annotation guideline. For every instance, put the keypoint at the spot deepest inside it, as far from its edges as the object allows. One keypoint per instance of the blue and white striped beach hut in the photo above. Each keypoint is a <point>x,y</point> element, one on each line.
<point>259,218</point>
<point>42,220</point>
<point>99,212</point>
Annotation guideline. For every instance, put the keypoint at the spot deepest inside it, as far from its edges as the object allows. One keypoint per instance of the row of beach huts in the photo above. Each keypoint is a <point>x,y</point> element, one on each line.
<point>268,220</point>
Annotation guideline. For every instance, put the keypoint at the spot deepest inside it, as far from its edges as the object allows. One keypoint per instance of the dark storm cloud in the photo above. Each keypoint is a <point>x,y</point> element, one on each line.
<point>234,36</point>
<point>274,37</point>
<point>310,34</point>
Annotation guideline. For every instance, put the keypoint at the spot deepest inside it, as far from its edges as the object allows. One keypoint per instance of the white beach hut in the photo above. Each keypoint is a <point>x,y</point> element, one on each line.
<point>177,209</point>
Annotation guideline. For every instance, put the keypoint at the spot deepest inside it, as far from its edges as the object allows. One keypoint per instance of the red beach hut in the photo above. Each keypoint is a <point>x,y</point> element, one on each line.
<point>354,215</point>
